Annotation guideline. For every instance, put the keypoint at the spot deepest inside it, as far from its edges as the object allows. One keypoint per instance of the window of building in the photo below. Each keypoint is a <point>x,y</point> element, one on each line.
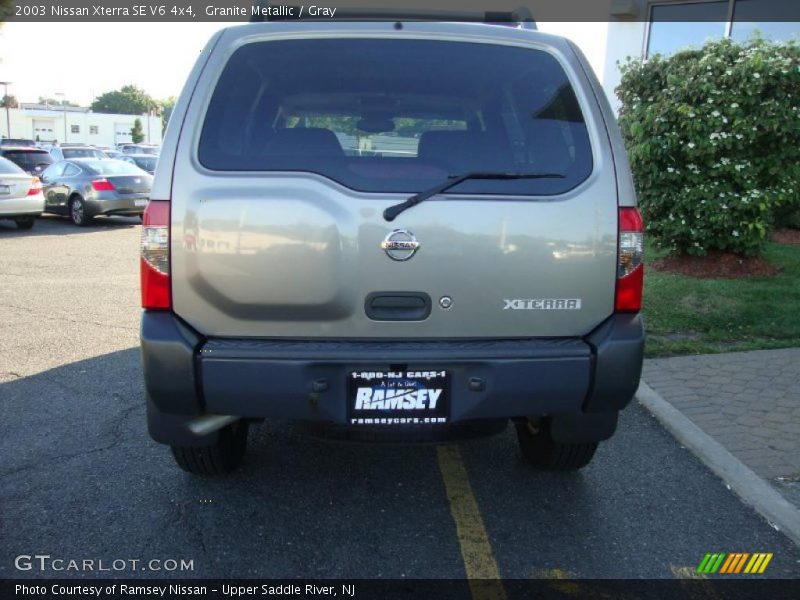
<point>675,26</point>
<point>93,129</point>
<point>75,128</point>
<point>784,23</point>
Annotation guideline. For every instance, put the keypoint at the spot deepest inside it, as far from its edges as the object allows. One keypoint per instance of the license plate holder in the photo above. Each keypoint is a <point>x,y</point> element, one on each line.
<point>408,397</point>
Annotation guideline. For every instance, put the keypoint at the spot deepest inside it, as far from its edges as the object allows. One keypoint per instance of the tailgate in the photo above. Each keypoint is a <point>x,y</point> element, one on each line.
<point>291,258</point>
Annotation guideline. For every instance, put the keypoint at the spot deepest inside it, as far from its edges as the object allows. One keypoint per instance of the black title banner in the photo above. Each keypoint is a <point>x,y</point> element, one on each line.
<point>435,10</point>
<point>444,589</point>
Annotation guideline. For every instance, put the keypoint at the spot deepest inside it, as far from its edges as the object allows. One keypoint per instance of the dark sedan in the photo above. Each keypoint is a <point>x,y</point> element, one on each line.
<point>85,188</point>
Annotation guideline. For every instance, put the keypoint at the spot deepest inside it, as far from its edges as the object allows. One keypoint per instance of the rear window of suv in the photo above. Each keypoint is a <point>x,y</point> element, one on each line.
<point>398,115</point>
<point>29,159</point>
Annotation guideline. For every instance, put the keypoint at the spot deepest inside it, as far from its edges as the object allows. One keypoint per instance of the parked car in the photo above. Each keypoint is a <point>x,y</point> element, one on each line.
<point>111,153</point>
<point>26,143</point>
<point>30,160</point>
<point>146,162</point>
<point>68,152</point>
<point>139,149</point>
<point>492,273</point>
<point>85,188</point>
<point>21,198</point>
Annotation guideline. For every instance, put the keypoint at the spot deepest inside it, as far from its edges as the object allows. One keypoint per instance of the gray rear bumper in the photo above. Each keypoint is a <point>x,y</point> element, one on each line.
<point>584,381</point>
<point>116,206</point>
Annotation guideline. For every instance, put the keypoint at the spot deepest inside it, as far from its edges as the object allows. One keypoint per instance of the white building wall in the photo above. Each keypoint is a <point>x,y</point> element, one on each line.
<point>625,39</point>
<point>110,129</point>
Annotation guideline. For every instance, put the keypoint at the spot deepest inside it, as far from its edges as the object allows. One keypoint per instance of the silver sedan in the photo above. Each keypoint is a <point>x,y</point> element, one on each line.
<point>20,195</point>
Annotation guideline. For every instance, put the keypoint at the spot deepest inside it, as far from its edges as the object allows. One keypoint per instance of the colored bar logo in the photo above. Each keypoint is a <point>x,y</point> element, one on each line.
<point>734,563</point>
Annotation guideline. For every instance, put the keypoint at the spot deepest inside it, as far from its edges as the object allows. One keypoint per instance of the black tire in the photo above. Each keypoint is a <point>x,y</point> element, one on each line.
<point>78,213</point>
<point>25,222</point>
<point>542,452</point>
<point>217,459</point>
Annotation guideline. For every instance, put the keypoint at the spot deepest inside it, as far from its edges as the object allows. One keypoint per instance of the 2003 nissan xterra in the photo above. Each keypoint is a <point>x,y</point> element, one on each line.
<point>402,228</point>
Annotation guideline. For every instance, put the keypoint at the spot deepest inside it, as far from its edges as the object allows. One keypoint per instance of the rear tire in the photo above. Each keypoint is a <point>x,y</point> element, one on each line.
<point>540,450</point>
<point>25,222</point>
<point>78,213</point>
<point>219,458</point>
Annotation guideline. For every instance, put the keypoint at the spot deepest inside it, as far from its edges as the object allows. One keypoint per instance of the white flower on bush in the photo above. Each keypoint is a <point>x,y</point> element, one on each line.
<point>735,233</point>
<point>735,105</point>
<point>755,76</point>
<point>690,145</point>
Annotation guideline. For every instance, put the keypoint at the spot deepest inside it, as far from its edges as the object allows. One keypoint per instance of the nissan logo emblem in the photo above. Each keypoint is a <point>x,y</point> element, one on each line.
<point>400,244</point>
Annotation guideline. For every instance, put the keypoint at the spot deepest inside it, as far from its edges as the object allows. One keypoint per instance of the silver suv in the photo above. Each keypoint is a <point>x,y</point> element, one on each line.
<point>391,230</point>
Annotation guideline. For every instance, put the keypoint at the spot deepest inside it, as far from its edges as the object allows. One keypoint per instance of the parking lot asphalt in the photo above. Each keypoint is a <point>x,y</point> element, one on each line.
<point>81,479</point>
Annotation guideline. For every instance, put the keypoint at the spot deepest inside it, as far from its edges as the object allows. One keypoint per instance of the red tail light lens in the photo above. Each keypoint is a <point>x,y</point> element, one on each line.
<point>36,187</point>
<point>103,185</point>
<point>154,262</point>
<point>630,261</point>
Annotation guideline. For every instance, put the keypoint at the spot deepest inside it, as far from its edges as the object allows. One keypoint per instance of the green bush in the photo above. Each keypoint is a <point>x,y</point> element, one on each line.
<point>713,137</point>
<point>788,216</point>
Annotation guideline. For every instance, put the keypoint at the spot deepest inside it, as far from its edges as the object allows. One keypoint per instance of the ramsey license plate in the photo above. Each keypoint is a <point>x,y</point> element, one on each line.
<point>413,397</point>
<point>5,190</point>
<point>140,202</point>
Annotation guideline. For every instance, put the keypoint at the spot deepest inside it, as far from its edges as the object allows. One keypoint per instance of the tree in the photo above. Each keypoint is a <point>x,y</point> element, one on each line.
<point>137,135</point>
<point>166,111</point>
<point>6,10</point>
<point>713,142</point>
<point>9,102</point>
<point>128,100</point>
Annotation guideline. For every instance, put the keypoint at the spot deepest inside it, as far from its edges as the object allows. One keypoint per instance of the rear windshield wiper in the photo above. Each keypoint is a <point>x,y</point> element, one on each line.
<point>390,214</point>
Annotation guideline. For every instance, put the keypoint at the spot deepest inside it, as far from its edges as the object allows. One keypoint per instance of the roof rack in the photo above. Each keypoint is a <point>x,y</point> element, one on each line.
<point>521,15</point>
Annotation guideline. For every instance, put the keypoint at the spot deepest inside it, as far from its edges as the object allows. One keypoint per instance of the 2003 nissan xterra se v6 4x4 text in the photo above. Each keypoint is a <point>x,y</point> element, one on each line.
<point>393,230</point>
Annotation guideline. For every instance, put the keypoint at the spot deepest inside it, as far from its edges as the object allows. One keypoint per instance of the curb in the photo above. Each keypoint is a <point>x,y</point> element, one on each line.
<point>752,489</point>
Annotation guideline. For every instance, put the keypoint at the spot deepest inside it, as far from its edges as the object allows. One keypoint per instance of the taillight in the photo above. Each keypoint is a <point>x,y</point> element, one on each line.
<point>103,185</point>
<point>630,261</point>
<point>36,187</point>
<point>154,262</point>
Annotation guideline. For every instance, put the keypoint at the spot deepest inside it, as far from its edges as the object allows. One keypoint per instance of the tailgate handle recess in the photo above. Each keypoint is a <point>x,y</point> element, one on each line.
<point>398,306</point>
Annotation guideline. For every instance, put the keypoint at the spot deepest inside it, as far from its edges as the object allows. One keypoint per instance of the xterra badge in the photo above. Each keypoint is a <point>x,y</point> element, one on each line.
<point>542,304</point>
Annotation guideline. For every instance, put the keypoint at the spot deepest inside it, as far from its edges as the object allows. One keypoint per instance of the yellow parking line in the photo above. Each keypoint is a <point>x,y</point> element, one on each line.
<point>476,551</point>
